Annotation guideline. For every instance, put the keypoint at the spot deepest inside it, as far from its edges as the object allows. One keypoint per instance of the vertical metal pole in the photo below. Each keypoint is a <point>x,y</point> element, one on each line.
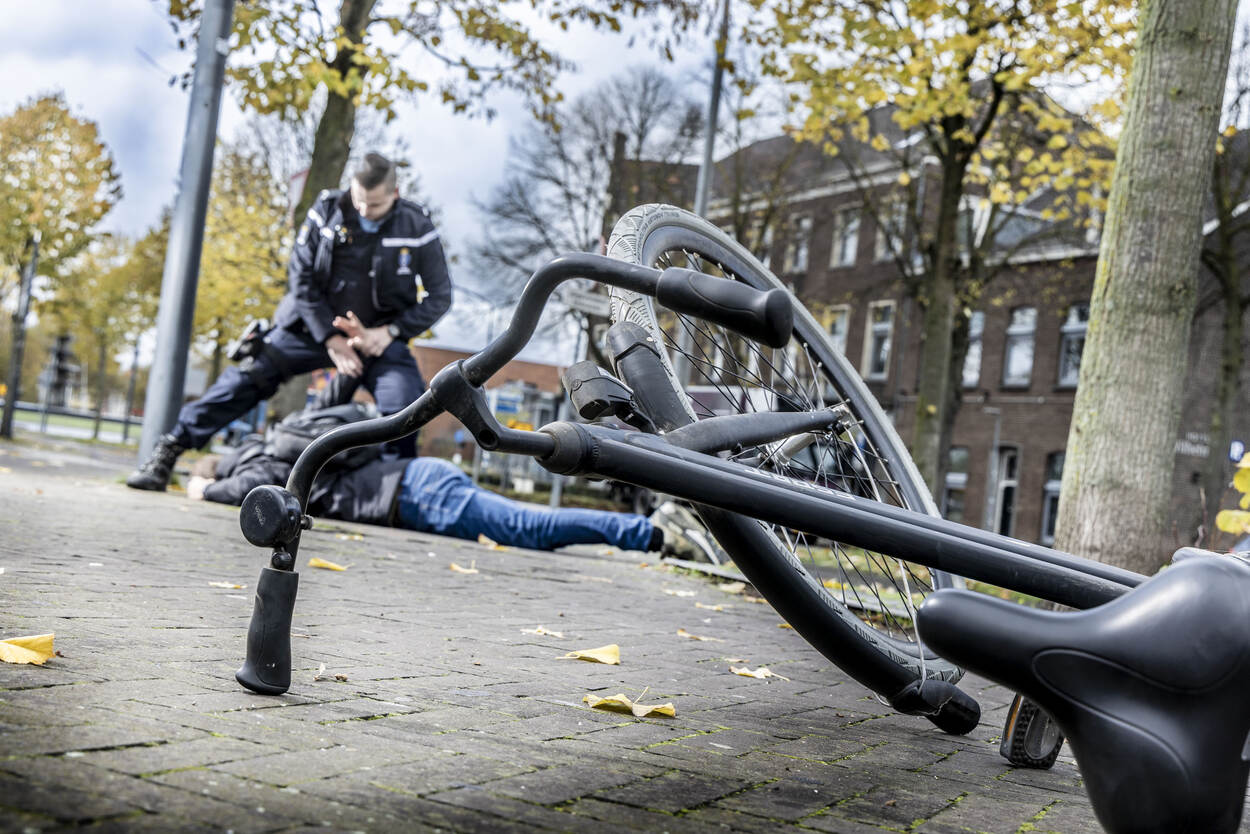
<point>13,390</point>
<point>130,392</point>
<point>991,477</point>
<point>681,365</point>
<point>713,111</point>
<point>186,230</point>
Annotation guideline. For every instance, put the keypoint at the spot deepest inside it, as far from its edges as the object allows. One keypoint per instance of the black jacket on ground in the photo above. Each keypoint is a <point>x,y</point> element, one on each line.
<point>366,494</point>
<point>406,255</point>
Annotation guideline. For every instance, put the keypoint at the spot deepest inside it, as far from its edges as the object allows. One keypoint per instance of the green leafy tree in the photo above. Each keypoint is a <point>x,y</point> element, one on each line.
<point>360,52</point>
<point>1117,474</point>
<point>58,180</point>
<point>105,298</point>
<point>922,80</point>
<point>243,263</point>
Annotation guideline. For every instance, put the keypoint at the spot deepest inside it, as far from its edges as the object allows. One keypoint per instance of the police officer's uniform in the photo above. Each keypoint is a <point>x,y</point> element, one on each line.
<point>395,277</point>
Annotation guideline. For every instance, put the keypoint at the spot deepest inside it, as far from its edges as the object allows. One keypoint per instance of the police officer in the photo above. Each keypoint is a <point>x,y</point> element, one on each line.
<point>366,275</point>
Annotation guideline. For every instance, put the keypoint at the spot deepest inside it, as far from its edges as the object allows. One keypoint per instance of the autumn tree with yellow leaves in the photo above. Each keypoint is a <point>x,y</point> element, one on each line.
<point>243,264</point>
<point>365,54</point>
<point>955,95</point>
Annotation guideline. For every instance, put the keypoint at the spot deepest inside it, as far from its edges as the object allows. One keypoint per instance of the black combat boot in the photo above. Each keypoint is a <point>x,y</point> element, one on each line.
<point>154,474</point>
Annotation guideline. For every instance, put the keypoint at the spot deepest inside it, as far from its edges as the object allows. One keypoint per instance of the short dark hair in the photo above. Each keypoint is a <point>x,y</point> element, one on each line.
<point>375,170</point>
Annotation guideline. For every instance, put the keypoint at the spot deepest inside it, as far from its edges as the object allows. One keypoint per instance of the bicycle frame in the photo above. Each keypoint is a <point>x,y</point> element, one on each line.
<point>648,461</point>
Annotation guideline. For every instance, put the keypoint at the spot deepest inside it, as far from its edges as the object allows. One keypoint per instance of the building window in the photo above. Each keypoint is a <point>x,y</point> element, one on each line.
<point>953,496</point>
<point>839,324</point>
<point>845,237</point>
<point>797,245</point>
<point>1050,496</point>
<point>890,228</point>
<point>877,337</point>
<point>972,359</point>
<point>1072,344</point>
<point>1007,483</point>
<point>1018,362</point>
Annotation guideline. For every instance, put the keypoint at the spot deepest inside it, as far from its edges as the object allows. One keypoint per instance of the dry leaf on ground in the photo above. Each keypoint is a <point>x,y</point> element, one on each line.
<point>31,649</point>
<point>350,537</point>
<point>543,632</point>
<point>318,562</point>
<point>482,538</point>
<point>784,625</point>
<point>610,654</point>
<point>672,592</point>
<point>620,703</point>
<point>472,568</point>
<point>762,672</point>
<point>756,600</point>
<point>732,587</point>
<point>231,585</point>
<point>711,607</point>
<point>681,632</point>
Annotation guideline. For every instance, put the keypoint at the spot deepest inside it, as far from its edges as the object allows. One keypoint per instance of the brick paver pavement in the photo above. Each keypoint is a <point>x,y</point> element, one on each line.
<point>452,715</point>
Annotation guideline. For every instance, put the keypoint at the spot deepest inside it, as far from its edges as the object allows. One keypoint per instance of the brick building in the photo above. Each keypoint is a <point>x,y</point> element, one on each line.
<point>1025,335</point>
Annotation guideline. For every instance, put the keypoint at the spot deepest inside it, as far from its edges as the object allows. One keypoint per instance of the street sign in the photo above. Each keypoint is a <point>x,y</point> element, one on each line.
<point>591,303</point>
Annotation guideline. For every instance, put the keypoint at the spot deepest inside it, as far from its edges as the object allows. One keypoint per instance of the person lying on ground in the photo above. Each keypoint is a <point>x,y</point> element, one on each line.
<point>432,495</point>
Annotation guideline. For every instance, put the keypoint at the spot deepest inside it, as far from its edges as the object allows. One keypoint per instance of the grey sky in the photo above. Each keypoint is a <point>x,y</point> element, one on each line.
<point>113,60</point>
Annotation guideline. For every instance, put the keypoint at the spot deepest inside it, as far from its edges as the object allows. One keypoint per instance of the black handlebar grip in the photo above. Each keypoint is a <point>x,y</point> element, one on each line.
<point>765,316</point>
<point>267,669</point>
<point>950,708</point>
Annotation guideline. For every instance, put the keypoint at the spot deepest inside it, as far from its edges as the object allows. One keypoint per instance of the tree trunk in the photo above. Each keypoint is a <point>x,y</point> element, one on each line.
<point>1117,477</point>
<point>1227,387</point>
<point>101,360</point>
<point>219,354</point>
<point>333,138</point>
<point>938,303</point>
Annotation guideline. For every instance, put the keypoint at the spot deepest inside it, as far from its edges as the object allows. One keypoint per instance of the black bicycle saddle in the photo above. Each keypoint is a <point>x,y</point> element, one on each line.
<point>1152,689</point>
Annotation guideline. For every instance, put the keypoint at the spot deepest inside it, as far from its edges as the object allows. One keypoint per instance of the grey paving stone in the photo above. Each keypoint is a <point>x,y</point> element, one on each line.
<point>451,717</point>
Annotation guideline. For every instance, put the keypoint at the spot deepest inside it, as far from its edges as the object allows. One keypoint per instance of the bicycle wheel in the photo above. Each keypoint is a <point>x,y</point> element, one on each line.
<point>855,606</point>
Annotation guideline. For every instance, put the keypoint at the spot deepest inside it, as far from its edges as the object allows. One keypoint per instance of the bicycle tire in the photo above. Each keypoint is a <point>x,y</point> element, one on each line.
<point>884,656</point>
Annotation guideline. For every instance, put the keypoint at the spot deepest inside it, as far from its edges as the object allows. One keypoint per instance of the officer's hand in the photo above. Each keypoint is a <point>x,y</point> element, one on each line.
<point>345,359</point>
<point>372,341</point>
<point>349,324</point>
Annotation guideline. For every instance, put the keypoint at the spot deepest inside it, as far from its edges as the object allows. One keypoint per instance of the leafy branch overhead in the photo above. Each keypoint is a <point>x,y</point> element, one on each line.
<point>284,50</point>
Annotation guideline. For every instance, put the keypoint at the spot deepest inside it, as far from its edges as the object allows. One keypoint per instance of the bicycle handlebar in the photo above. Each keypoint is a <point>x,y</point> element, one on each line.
<point>764,316</point>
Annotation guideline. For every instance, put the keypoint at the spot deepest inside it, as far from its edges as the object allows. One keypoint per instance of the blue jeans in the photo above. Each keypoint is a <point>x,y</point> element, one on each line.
<point>393,378</point>
<point>436,497</point>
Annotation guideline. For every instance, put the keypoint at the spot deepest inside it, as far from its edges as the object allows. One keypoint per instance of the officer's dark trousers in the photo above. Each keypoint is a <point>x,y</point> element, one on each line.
<point>393,378</point>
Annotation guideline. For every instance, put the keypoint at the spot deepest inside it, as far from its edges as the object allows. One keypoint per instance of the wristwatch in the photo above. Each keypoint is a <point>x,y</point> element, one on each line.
<point>393,329</point>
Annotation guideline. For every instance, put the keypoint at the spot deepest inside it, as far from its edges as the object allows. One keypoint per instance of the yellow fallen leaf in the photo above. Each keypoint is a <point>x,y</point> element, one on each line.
<point>34,649</point>
<point>542,631</point>
<point>349,537</point>
<point>711,607</point>
<point>756,600</point>
<point>784,625</point>
<point>681,632</point>
<point>732,587</point>
<point>472,568</point>
<point>318,562</point>
<point>675,593</point>
<point>620,703</point>
<point>832,583</point>
<point>762,672</point>
<point>230,585</point>
<point>610,654</point>
<point>482,538</point>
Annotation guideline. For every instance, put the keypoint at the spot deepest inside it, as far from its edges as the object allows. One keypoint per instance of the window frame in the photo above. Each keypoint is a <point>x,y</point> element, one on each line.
<point>1050,498</point>
<point>798,244</point>
<point>976,338</point>
<point>834,313</point>
<point>871,330</point>
<point>1018,335</point>
<point>843,236</point>
<point>1071,331</point>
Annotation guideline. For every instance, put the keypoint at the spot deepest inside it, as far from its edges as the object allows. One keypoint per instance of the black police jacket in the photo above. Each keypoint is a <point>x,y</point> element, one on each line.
<point>409,283</point>
<point>367,493</point>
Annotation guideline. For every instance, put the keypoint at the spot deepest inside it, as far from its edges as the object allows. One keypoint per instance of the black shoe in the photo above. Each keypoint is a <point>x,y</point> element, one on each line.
<point>154,474</point>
